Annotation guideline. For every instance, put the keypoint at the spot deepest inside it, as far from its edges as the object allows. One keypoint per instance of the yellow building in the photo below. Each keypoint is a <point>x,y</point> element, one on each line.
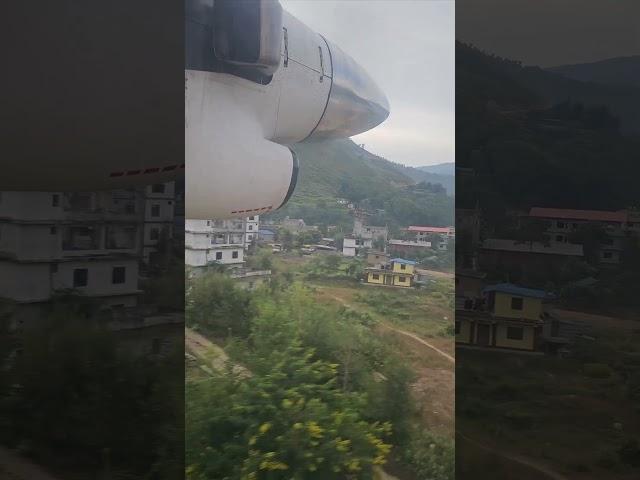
<point>512,317</point>
<point>399,273</point>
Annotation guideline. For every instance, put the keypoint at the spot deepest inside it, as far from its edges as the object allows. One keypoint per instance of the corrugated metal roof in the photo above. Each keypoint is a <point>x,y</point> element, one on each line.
<point>414,228</point>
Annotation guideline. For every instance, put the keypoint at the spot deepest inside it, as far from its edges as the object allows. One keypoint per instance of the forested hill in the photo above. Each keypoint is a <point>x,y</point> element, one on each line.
<point>340,169</point>
<point>531,145</point>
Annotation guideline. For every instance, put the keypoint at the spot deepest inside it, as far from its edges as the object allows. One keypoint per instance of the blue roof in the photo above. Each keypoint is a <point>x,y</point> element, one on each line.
<point>512,289</point>
<point>402,260</point>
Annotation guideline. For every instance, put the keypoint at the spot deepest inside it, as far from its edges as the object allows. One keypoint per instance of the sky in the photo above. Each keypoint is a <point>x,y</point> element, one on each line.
<point>407,46</point>
<point>551,32</point>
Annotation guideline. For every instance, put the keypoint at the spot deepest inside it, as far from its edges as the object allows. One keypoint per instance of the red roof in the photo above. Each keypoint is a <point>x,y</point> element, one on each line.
<point>429,229</point>
<point>567,214</point>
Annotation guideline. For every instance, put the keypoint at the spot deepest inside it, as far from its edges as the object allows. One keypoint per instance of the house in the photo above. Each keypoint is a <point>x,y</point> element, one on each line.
<point>425,234</point>
<point>266,236</point>
<point>294,225</point>
<point>562,224</point>
<point>398,273</point>
<point>210,242</point>
<point>352,245</point>
<point>377,259</point>
<point>369,232</point>
<point>407,247</point>
<point>509,316</point>
<point>525,259</point>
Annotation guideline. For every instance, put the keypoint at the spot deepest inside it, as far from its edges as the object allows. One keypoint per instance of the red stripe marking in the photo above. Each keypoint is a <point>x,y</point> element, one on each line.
<point>152,170</point>
<point>169,168</point>
<point>133,172</point>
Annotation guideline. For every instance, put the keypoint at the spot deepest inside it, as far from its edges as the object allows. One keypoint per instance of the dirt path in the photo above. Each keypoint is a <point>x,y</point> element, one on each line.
<point>15,467</point>
<point>422,341</point>
<point>450,358</point>
<point>437,274</point>
<point>207,351</point>
<point>518,459</point>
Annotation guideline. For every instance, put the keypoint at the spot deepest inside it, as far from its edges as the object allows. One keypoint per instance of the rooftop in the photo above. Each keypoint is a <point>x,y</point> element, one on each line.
<point>567,249</point>
<point>403,261</point>
<point>414,228</point>
<point>512,289</point>
<point>568,214</point>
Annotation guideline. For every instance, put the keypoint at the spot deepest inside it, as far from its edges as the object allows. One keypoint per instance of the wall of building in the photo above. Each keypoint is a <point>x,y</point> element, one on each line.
<point>407,270</point>
<point>371,278</point>
<point>527,342</point>
<point>464,333</point>
<point>531,307</point>
<point>403,280</point>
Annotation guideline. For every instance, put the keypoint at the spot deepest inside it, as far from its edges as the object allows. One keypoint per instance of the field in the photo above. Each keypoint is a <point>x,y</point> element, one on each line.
<point>419,323</point>
<point>572,418</point>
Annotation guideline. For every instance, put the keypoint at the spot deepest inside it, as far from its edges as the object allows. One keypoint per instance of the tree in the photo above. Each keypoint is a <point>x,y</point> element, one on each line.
<point>216,306</point>
<point>288,420</point>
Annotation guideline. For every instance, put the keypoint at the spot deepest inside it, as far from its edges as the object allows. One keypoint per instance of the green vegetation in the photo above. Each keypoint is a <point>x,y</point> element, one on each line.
<point>340,169</point>
<point>78,402</point>
<point>326,397</point>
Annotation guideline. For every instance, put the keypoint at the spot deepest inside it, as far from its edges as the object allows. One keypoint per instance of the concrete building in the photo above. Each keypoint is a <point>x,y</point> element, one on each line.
<point>352,245</point>
<point>87,242</point>
<point>252,227</point>
<point>214,241</point>
<point>407,247</point>
<point>369,232</point>
<point>562,224</point>
<point>439,237</point>
<point>159,218</point>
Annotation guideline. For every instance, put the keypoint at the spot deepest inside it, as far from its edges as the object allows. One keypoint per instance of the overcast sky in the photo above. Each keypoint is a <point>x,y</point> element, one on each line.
<point>551,32</point>
<point>407,46</point>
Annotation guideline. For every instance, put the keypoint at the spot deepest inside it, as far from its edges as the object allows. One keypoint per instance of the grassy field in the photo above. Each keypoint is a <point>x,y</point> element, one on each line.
<point>426,313</point>
<point>576,416</point>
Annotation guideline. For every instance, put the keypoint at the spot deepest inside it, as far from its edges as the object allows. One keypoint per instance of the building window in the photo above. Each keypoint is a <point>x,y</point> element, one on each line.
<point>154,234</point>
<point>155,210</point>
<point>515,333</point>
<point>218,255</point>
<point>234,255</point>
<point>55,200</point>
<point>208,223</point>
<point>118,275</point>
<point>516,303</point>
<point>251,218</point>
<point>158,188</point>
<point>457,328</point>
<point>402,279</point>
<point>53,230</point>
<point>250,227</point>
<point>403,267</point>
<point>80,277</point>
<point>375,276</point>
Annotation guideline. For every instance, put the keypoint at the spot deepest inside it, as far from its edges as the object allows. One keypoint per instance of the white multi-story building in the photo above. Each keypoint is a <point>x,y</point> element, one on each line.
<point>351,245</point>
<point>159,217</point>
<point>86,242</point>
<point>214,241</point>
<point>252,225</point>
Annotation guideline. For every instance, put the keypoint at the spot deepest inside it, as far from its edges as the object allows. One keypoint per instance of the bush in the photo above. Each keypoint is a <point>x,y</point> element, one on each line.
<point>597,370</point>
<point>431,457</point>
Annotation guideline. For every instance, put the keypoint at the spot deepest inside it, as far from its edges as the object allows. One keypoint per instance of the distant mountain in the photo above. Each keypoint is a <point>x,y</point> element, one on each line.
<point>621,71</point>
<point>448,168</point>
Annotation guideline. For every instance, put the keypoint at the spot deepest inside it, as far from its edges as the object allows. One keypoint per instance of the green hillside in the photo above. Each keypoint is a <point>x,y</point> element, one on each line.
<point>340,169</point>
